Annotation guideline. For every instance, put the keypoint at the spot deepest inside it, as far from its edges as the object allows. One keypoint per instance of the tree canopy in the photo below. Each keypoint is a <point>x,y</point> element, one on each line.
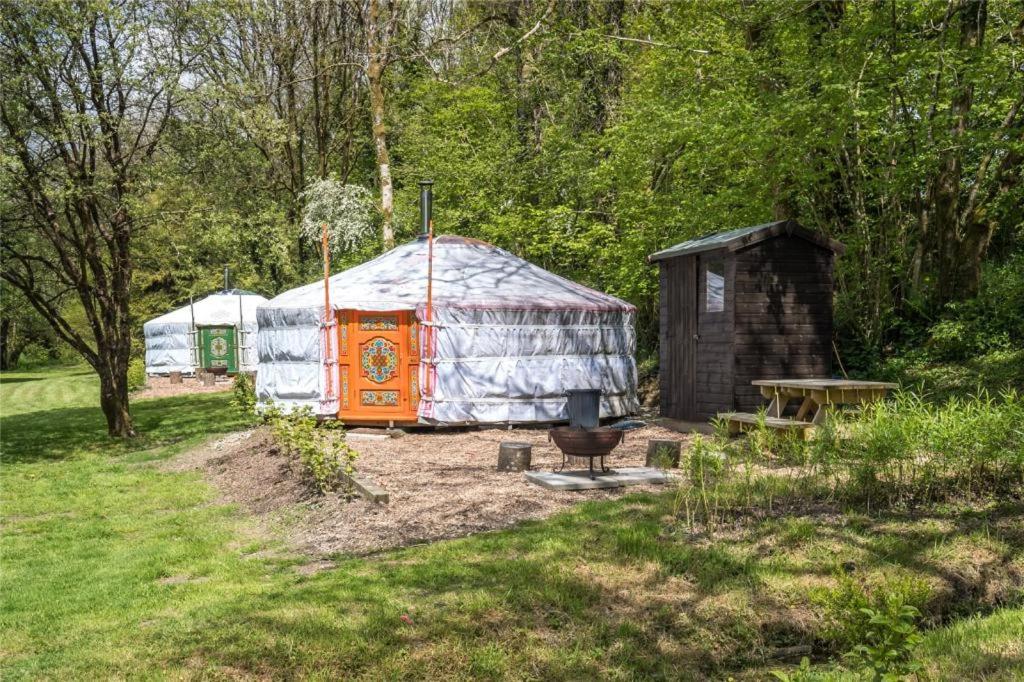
<point>581,135</point>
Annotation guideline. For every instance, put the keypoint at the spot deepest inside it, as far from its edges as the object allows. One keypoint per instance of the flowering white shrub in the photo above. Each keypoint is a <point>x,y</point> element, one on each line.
<point>348,211</point>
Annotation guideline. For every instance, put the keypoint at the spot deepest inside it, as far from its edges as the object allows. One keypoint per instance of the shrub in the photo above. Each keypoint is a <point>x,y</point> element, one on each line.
<point>35,355</point>
<point>323,451</point>
<point>992,320</point>
<point>664,457</point>
<point>244,397</point>
<point>875,626</point>
<point>348,211</point>
<point>890,640</point>
<point>136,374</point>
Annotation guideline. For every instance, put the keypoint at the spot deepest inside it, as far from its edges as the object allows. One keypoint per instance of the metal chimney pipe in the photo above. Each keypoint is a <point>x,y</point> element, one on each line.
<point>227,271</point>
<point>426,205</point>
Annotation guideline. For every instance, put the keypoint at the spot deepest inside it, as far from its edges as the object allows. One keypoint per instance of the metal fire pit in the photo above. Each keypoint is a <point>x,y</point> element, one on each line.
<point>589,443</point>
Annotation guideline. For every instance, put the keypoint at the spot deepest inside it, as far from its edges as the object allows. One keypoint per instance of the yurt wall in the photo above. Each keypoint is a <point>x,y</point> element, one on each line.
<point>510,338</point>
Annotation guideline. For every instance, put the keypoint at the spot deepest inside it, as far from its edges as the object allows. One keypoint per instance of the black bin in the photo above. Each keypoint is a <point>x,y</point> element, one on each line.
<point>584,406</point>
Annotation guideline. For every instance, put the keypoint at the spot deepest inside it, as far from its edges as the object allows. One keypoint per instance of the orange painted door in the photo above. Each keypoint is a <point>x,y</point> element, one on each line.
<point>378,358</point>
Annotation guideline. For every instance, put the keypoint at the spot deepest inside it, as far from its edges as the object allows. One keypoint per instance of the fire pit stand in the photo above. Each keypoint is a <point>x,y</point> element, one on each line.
<point>590,462</point>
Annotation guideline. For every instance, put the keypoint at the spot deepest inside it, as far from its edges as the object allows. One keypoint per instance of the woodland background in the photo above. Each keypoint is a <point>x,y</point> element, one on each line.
<point>146,145</point>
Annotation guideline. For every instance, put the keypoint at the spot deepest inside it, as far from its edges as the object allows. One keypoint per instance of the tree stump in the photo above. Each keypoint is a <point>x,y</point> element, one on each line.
<point>175,377</point>
<point>514,456</point>
<point>208,378</point>
<point>663,453</point>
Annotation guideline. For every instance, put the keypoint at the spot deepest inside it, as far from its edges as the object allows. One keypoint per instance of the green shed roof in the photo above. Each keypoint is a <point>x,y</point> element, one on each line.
<point>744,236</point>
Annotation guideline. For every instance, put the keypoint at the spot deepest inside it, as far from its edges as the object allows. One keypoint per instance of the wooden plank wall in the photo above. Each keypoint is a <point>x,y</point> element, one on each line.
<point>714,367</point>
<point>783,315</point>
<point>676,356</point>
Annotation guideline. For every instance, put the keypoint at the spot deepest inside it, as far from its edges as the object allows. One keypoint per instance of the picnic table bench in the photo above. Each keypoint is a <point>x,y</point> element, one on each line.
<point>819,398</point>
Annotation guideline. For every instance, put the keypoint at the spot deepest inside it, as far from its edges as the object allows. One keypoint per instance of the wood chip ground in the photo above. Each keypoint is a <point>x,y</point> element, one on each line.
<point>443,484</point>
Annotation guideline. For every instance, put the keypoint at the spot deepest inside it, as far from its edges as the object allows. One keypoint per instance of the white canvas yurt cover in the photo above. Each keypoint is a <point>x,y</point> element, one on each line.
<point>170,344</point>
<point>510,337</point>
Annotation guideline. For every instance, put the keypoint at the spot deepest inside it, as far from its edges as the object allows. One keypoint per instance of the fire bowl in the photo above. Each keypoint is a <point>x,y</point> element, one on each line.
<point>577,442</point>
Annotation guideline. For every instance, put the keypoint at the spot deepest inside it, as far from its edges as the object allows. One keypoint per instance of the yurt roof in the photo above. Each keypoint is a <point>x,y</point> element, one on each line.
<point>220,308</point>
<point>467,273</point>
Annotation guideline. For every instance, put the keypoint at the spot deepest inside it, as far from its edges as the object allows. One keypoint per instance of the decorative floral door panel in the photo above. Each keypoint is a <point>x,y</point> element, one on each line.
<point>378,354</point>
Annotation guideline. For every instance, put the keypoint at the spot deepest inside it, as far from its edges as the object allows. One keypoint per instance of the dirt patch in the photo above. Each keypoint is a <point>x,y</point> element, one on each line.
<point>181,580</point>
<point>443,484</point>
<point>315,567</point>
<point>247,468</point>
<point>649,391</point>
<point>161,387</point>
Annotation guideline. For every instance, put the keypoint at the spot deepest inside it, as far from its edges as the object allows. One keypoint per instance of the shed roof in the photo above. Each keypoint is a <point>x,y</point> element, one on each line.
<point>745,236</point>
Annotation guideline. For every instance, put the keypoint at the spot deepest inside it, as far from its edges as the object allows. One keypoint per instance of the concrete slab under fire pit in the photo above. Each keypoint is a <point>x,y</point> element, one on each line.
<point>580,480</point>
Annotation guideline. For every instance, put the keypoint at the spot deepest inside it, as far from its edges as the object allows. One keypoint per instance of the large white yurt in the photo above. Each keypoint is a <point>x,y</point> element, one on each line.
<point>217,333</point>
<point>509,340</point>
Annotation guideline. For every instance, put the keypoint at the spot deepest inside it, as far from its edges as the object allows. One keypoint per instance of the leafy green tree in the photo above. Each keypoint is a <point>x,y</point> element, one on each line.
<point>87,91</point>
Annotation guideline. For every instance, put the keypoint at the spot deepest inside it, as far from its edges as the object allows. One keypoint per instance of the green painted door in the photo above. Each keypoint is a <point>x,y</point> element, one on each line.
<point>217,346</point>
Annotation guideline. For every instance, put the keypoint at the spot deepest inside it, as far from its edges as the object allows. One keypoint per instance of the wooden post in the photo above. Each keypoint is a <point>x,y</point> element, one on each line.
<point>175,377</point>
<point>330,366</point>
<point>208,378</point>
<point>663,453</point>
<point>514,456</point>
<point>367,488</point>
<point>806,406</point>
<point>428,327</point>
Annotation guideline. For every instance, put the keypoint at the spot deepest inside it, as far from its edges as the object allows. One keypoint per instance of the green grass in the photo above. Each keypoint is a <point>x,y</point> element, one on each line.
<point>58,388</point>
<point>114,568</point>
<point>990,648</point>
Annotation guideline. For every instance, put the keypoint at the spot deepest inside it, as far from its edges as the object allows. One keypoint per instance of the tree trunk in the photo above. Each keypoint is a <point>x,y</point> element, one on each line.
<point>377,42</point>
<point>946,220</point>
<point>380,145</point>
<point>5,339</point>
<point>113,372</point>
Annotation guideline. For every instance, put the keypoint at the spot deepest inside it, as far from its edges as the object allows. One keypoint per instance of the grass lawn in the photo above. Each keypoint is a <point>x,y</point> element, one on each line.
<point>114,568</point>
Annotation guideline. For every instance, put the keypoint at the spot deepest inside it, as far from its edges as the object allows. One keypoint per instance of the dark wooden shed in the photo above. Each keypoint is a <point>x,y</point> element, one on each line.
<point>752,303</point>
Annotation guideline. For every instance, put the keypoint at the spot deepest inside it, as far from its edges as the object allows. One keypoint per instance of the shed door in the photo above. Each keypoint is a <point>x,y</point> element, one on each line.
<point>378,358</point>
<point>218,349</point>
<point>714,330</point>
<point>679,338</point>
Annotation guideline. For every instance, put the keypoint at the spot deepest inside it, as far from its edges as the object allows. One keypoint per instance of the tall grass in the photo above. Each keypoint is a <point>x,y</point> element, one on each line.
<point>903,452</point>
<point>908,451</point>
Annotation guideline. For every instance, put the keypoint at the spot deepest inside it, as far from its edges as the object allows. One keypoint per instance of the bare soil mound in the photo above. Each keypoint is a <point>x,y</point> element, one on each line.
<point>247,468</point>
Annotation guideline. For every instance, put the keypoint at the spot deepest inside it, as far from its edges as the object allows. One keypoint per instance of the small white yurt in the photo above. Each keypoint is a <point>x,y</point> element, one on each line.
<point>216,334</point>
<point>509,339</point>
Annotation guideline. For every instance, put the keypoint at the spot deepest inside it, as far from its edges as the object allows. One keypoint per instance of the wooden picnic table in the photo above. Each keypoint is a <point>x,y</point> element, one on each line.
<point>819,398</point>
